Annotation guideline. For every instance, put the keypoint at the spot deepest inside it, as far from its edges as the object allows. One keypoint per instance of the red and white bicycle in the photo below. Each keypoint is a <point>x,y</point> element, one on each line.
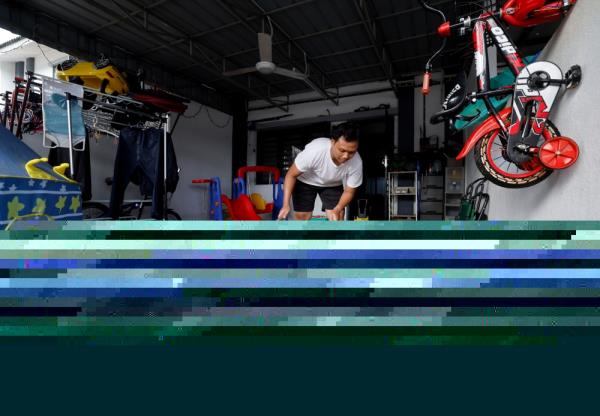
<point>517,146</point>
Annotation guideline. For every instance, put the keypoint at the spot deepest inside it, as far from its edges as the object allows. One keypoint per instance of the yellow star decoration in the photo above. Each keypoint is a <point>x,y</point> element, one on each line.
<point>75,204</point>
<point>62,201</point>
<point>40,206</point>
<point>14,207</point>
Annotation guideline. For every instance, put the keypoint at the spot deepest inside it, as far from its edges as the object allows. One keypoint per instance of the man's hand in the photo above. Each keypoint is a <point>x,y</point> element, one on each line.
<point>283,213</point>
<point>337,213</point>
<point>334,214</point>
<point>288,188</point>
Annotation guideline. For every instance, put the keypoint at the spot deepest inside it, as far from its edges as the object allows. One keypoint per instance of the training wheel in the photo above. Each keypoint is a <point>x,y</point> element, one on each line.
<point>559,153</point>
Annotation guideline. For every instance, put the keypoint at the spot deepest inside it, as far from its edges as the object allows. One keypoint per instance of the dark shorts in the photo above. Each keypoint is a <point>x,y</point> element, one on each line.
<point>304,196</point>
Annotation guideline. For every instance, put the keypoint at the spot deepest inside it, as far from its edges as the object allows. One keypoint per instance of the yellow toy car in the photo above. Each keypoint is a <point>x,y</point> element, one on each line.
<point>100,75</point>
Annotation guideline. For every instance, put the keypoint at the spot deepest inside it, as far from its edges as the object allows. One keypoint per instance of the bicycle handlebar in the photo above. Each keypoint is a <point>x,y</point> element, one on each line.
<point>428,66</point>
<point>426,83</point>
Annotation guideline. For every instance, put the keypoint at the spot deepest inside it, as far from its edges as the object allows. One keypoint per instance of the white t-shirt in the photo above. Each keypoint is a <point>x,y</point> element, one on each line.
<point>318,168</point>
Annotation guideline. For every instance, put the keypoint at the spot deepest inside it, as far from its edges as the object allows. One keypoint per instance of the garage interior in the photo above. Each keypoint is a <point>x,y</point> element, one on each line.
<point>359,61</point>
<point>204,103</point>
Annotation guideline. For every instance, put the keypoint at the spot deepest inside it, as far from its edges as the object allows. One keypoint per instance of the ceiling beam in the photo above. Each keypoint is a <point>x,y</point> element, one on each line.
<point>343,52</point>
<point>214,70</point>
<point>309,35</point>
<point>366,11</point>
<point>226,26</point>
<point>364,48</point>
<point>342,27</point>
<point>447,53</point>
<point>202,48</point>
<point>127,16</point>
<point>317,86</point>
<point>367,47</point>
<point>375,18</point>
<point>55,33</point>
<point>406,59</point>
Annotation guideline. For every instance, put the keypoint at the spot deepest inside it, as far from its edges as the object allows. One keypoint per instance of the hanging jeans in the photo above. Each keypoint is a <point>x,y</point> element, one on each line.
<point>139,159</point>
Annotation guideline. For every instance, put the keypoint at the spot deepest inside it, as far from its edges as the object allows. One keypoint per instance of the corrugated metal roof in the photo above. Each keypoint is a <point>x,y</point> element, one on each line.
<point>196,40</point>
<point>11,42</point>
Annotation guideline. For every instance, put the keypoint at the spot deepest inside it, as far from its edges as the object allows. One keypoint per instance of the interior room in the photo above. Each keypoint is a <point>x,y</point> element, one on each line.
<point>299,173</point>
<point>247,85</point>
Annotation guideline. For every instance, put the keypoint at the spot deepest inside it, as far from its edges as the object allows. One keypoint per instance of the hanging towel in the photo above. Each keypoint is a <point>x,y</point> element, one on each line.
<point>55,112</point>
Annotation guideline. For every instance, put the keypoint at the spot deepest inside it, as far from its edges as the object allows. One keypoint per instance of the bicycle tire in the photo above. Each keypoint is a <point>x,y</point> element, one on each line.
<point>173,216</point>
<point>527,176</point>
<point>93,210</point>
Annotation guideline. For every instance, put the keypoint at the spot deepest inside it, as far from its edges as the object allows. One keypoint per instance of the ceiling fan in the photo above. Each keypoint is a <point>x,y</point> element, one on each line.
<point>265,65</point>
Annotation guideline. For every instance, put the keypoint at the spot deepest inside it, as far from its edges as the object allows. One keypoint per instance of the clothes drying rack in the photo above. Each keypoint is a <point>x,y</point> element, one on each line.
<point>101,103</point>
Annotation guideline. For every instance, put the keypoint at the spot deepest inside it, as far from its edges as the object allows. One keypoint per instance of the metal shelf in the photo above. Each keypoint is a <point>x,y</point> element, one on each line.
<point>402,195</point>
<point>454,188</point>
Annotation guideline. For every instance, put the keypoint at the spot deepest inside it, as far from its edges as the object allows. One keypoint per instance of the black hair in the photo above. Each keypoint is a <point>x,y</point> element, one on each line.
<point>349,130</point>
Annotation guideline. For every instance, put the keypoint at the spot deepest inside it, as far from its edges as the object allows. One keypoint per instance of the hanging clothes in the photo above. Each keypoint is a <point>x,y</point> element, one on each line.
<point>139,159</point>
<point>54,109</point>
<point>81,166</point>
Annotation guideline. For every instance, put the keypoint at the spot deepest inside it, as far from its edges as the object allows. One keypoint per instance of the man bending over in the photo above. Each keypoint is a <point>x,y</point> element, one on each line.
<point>331,168</point>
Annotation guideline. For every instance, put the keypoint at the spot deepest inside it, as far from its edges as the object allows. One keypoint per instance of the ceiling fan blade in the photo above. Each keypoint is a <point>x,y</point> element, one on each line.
<point>290,73</point>
<point>265,47</point>
<point>240,71</point>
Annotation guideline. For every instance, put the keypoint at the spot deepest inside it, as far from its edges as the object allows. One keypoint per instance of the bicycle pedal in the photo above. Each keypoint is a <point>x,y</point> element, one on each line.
<point>523,148</point>
<point>573,77</point>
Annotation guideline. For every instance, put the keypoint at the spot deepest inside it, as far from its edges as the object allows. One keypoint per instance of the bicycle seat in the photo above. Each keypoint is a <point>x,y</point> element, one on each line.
<point>454,102</point>
<point>529,13</point>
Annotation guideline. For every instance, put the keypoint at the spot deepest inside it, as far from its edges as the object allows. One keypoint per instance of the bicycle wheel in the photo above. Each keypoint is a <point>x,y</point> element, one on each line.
<point>172,215</point>
<point>492,161</point>
<point>93,210</point>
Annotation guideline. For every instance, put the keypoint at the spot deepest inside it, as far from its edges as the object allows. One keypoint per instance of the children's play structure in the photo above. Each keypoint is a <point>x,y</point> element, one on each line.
<point>244,206</point>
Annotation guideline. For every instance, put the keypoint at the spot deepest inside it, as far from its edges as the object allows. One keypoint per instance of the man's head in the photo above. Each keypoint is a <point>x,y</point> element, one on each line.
<point>344,142</point>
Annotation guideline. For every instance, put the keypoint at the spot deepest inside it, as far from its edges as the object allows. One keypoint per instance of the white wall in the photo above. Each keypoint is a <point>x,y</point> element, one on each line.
<point>203,150</point>
<point>572,194</point>
<point>7,76</point>
<point>44,60</point>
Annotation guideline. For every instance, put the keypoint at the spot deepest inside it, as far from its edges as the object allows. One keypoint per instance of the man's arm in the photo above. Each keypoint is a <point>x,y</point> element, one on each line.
<point>288,188</point>
<point>336,213</point>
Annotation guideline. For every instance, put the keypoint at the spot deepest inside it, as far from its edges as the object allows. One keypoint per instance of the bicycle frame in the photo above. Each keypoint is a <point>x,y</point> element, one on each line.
<point>527,140</point>
<point>526,124</point>
<point>487,24</point>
